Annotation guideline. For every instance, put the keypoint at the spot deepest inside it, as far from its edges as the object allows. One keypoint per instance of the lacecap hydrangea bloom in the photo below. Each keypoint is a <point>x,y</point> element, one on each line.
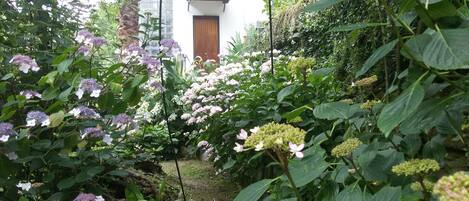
<point>88,197</point>
<point>368,105</point>
<point>365,82</point>
<point>124,121</point>
<point>30,94</point>
<point>24,186</point>
<point>6,131</point>
<point>90,86</point>
<point>346,148</point>
<point>83,112</point>
<point>35,118</point>
<point>88,41</point>
<point>416,167</point>
<point>277,137</point>
<point>25,63</point>
<point>454,187</point>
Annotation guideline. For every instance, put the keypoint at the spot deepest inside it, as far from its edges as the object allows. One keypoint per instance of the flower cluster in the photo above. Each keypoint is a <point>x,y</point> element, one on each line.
<point>124,121</point>
<point>277,137</point>
<point>83,112</point>
<point>6,131</point>
<point>206,98</point>
<point>90,86</point>
<point>365,82</point>
<point>454,187</point>
<point>346,148</point>
<point>416,167</point>
<point>25,63</point>
<point>96,132</point>
<point>169,46</point>
<point>368,105</point>
<point>88,41</point>
<point>30,94</point>
<point>88,197</point>
<point>35,118</point>
<point>417,186</point>
<point>135,53</point>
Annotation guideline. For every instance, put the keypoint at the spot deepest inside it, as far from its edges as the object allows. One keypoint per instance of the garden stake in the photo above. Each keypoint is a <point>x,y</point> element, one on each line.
<point>271,39</point>
<point>165,111</point>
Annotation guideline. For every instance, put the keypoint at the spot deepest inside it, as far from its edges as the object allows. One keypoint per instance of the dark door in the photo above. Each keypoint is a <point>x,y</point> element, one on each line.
<point>206,37</point>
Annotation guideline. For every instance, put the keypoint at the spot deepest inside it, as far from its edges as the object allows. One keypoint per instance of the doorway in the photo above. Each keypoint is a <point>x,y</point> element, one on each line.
<point>207,37</point>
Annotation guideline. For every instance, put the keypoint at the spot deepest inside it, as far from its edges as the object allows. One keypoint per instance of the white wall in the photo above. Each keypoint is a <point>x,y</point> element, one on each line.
<point>238,14</point>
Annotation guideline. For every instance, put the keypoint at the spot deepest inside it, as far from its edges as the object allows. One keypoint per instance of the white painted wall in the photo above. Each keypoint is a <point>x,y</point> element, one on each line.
<point>238,14</point>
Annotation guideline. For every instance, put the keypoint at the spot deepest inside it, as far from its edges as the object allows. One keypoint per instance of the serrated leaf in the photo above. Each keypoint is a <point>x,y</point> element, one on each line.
<point>56,119</point>
<point>331,111</point>
<point>63,66</point>
<point>285,92</point>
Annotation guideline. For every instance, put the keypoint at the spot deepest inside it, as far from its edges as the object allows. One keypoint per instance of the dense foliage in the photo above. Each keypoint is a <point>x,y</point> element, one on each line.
<point>67,108</point>
<point>390,131</point>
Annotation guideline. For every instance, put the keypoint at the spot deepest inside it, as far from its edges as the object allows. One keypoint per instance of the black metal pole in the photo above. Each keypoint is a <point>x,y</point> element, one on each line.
<point>271,38</point>
<point>165,110</point>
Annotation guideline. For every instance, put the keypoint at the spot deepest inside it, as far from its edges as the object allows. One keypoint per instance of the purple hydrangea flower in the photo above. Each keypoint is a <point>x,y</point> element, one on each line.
<point>84,50</point>
<point>83,112</point>
<point>169,46</point>
<point>89,86</point>
<point>158,86</point>
<point>6,130</point>
<point>29,94</point>
<point>34,118</point>
<point>152,64</point>
<point>134,50</point>
<point>123,121</point>
<point>97,41</point>
<point>25,63</point>
<point>83,35</point>
<point>93,132</point>
<point>88,197</point>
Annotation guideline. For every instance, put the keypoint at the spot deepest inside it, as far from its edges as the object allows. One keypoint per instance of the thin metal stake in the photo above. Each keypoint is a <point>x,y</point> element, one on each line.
<point>165,110</point>
<point>271,38</point>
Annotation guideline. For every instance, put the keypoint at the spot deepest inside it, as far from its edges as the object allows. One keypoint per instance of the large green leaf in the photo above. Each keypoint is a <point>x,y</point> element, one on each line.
<point>306,170</point>
<point>416,46</point>
<point>376,56</point>
<point>296,112</point>
<point>285,92</point>
<point>351,193</point>
<point>254,191</point>
<point>321,5</point>
<point>388,193</point>
<point>331,111</point>
<point>402,107</point>
<point>448,50</point>
<point>132,193</point>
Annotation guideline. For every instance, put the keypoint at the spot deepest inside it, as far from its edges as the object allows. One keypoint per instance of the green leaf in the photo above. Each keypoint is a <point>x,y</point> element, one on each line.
<point>119,173</point>
<point>64,94</point>
<point>351,27</point>
<point>376,56</point>
<point>133,194</point>
<point>448,50</point>
<point>254,191</point>
<point>296,112</point>
<point>41,144</point>
<point>388,193</point>
<point>351,193</point>
<point>416,46</point>
<point>66,183</point>
<point>285,92</point>
<point>56,119</point>
<point>321,5</point>
<point>8,76</point>
<point>331,111</point>
<point>402,107</point>
<point>63,66</point>
<point>306,170</point>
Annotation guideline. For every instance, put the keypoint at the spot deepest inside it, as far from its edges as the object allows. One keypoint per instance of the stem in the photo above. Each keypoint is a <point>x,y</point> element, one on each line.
<point>426,195</point>
<point>283,161</point>
<point>357,171</point>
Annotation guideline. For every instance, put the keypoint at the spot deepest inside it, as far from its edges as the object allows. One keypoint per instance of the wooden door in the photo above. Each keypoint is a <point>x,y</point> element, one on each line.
<point>206,37</point>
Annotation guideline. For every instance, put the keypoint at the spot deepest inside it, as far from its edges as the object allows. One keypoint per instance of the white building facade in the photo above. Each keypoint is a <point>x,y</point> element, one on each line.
<point>205,27</point>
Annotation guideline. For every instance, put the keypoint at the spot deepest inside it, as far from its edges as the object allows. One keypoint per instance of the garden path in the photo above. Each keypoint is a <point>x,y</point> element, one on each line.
<point>200,181</point>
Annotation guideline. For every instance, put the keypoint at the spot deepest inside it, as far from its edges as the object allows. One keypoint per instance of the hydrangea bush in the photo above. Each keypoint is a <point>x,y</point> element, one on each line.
<point>60,128</point>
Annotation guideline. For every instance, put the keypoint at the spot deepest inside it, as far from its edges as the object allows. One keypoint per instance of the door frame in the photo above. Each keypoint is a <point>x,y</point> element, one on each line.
<point>194,17</point>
